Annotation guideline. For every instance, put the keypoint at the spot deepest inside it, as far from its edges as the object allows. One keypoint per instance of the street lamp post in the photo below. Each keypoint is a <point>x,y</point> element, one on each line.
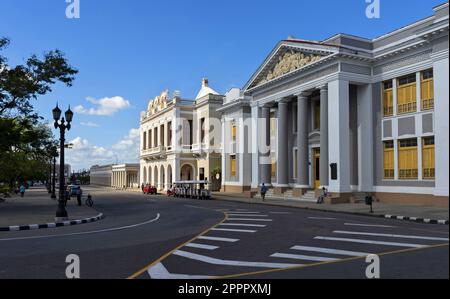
<point>62,124</point>
<point>53,187</point>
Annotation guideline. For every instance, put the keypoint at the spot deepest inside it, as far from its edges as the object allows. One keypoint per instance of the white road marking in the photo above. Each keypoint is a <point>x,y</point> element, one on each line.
<point>245,215</point>
<point>84,233</point>
<point>330,250</point>
<point>218,239</point>
<point>243,224</point>
<point>234,230</point>
<point>158,271</point>
<point>321,218</point>
<point>371,242</point>
<point>202,246</point>
<point>368,225</point>
<point>390,235</point>
<point>248,219</point>
<point>304,257</point>
<point>215,261</point>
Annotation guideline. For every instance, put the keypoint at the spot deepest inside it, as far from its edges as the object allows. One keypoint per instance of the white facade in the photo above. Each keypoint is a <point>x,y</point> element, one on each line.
<point>320,108</point>
<point>175,141</point>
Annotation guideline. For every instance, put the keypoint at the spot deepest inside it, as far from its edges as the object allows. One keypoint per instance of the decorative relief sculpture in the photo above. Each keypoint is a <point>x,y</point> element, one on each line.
<point>289,62</point>
<point>158,103</point>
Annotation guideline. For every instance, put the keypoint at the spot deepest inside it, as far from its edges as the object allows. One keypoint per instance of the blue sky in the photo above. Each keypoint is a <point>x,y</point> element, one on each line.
<point>131,50</point>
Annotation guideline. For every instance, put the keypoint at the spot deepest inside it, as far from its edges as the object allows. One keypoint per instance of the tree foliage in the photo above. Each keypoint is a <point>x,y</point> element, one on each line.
<point>26,142</point>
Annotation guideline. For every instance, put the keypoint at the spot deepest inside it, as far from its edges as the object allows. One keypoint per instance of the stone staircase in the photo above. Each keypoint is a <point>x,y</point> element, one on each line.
<point>309,196</point>
<point>289,194</point>
<point>358,198</point>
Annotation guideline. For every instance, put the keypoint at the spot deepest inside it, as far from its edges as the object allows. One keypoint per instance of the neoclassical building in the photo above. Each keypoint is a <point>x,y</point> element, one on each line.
<point>347,113</point>
<point>179,140</point>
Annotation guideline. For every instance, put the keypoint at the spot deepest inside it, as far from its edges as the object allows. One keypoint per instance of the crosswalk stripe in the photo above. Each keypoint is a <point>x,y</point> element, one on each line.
<point>248,219</point>
<point>242,224</point>
<point>218,239</point>
<point>330,250</point>
<point>304,257</point>
<point>371,242</point>
<point>234,230</point>
<point>246,215</point>
<point>202,246</point>
<point>390,235</point>
<point>158,271</point>
<point>215,261</point>
<point>368,225</point>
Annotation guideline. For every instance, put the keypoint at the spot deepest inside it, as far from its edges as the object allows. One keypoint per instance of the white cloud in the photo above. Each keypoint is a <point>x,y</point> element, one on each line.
<point>90,124</point>
<point>84,155</point>
<point>104,106</point>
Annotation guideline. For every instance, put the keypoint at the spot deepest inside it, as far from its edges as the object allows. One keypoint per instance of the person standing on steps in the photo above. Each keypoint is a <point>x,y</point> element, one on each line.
<point>263,191</point>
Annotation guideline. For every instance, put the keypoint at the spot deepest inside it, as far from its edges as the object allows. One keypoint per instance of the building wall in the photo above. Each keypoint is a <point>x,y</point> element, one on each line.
<point>101,176</point>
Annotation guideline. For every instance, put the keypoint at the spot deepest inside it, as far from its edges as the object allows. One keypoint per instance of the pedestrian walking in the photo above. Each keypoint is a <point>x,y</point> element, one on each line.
<point>79,194</point>
<point>22,190</point>
<point>263,191</point>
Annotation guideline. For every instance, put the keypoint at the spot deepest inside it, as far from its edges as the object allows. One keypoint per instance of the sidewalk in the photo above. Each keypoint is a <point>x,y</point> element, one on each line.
<point>36,207</point>
<point>419,213</point>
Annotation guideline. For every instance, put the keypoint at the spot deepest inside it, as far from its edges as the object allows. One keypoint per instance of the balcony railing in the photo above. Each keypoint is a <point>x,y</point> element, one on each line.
<point>154,151</point>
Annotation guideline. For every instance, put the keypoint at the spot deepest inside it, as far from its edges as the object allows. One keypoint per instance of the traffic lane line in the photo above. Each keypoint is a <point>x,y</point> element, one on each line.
<point>166,255</point>
<point>234,230</point>
<point>329,251</point>
<point>241,275</point>
<point>83,233</point>
<point>391,235</point>
<point>373,242</point>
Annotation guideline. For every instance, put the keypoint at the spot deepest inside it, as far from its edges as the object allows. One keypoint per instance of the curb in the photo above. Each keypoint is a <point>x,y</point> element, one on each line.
<point>52,225</point>
<point>387,216</point>
<point>416,219</point>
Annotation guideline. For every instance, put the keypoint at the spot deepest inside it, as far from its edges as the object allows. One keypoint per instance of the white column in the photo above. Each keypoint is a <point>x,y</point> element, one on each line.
<point>394,92</point>
<point>339,132</point>
<point>254,146</point>
<point>224,151</point>
<point>365,138</point>
<point>418,92</point>
<point>419,159</point>
<point>166,129</point>
<point>396,172</point>
<point>441,116</point>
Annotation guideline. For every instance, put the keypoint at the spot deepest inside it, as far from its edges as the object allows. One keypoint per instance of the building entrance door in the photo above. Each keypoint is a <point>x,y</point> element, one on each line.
<point>316,168</point>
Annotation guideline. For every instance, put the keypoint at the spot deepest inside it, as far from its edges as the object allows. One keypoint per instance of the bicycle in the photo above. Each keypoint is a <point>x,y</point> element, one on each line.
<point>89,202</point>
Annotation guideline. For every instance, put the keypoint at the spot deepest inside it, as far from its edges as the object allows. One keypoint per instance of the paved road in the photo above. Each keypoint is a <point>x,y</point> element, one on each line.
<point>156,237</point>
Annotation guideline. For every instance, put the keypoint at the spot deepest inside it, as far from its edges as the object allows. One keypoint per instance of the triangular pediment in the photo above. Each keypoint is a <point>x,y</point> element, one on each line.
<point>285,60</point>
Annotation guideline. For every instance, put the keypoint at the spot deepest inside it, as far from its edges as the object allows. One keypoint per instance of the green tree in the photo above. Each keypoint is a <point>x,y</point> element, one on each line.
<point>22,83</point>
<point>25,141</point>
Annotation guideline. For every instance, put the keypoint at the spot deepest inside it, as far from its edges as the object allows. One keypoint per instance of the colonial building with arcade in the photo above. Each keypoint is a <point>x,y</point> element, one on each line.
<point>176,142</point>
